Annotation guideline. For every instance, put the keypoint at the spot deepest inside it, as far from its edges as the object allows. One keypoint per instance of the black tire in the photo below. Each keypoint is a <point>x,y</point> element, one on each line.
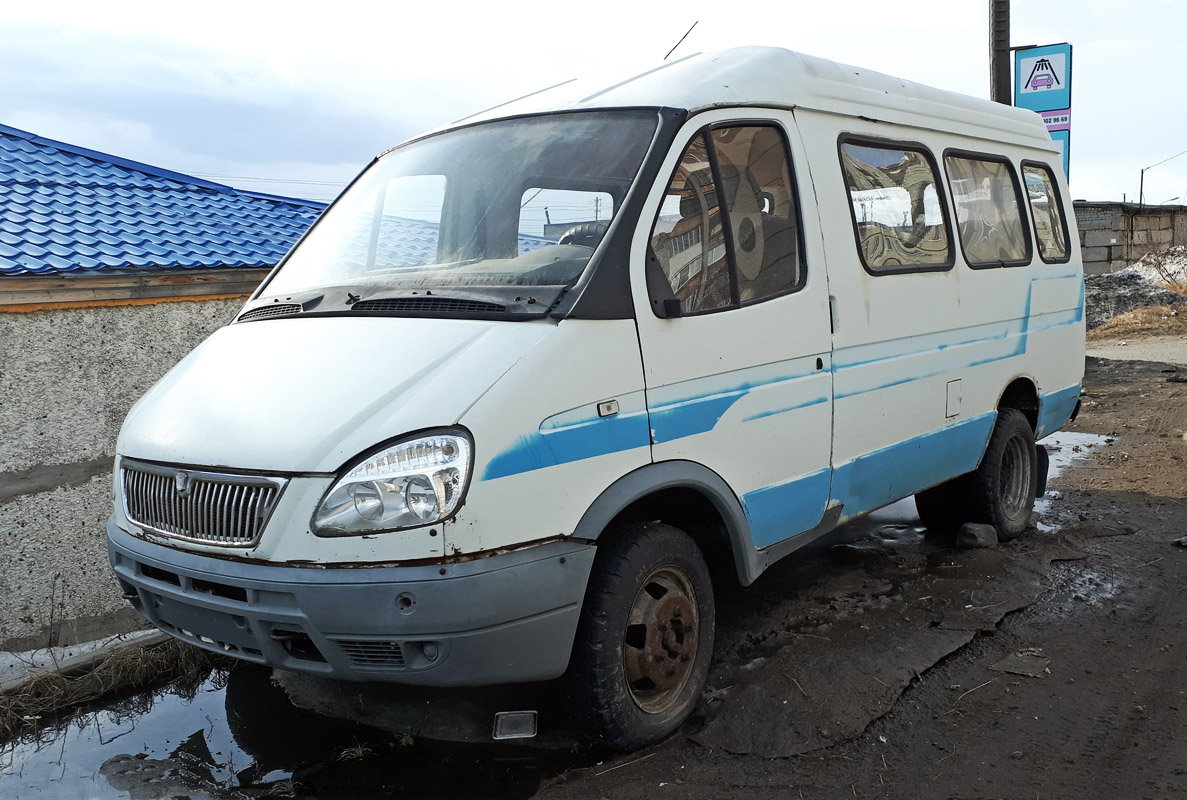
<point>639,666</point>
<point>1001,492</point>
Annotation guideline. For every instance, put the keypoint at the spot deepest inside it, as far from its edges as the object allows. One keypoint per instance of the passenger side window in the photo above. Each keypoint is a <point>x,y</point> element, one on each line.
<point>1046,211</point>
<point>988,210</point>
<point>895,202</point>
<point>727,233</point>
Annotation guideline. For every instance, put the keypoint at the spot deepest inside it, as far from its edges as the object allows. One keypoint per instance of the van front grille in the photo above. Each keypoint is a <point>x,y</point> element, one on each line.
<point>206,507</point>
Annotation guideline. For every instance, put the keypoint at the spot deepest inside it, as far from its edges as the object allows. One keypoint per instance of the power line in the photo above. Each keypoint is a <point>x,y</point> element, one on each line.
<point>247,177</point>
<point>1163,161</point>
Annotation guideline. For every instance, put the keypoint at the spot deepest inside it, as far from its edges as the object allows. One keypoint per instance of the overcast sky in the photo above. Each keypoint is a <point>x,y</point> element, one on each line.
<point>294,98</point>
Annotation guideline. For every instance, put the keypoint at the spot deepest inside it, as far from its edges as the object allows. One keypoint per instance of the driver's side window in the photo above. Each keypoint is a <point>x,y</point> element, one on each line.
<point>727,232</point>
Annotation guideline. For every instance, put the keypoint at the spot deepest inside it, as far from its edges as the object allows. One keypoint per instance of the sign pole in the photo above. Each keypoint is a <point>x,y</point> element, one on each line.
<point>999,51</point>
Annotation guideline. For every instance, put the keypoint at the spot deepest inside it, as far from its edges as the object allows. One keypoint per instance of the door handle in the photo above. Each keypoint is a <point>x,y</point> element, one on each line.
<point>608,408</point>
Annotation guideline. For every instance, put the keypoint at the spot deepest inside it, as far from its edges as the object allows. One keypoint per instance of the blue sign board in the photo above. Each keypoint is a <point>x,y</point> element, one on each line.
<point>1063,143</point>
<point>1043,83</point>
<point>1043,77</point>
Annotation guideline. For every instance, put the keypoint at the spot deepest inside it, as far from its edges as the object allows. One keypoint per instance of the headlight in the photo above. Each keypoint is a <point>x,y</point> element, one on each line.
<point>413,483</point>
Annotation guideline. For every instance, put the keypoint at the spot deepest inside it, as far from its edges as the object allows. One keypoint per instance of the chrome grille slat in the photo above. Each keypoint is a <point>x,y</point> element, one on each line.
<point>215,508</point>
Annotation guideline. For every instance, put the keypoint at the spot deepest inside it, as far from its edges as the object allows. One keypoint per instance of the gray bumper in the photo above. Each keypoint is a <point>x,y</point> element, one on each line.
<point>508,618</point>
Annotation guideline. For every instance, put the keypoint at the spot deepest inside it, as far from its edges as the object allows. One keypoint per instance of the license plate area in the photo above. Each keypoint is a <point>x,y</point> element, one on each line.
<point>227,632</point>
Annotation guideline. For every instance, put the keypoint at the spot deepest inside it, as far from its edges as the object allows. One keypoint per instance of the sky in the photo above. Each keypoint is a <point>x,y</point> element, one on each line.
<point>295,98</point>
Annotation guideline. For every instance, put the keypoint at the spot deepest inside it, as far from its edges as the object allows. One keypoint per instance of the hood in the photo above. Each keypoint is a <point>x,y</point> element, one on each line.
<point>309,394</point>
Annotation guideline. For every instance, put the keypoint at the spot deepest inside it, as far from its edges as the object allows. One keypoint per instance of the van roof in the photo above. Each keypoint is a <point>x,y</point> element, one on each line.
<point>778,78</point>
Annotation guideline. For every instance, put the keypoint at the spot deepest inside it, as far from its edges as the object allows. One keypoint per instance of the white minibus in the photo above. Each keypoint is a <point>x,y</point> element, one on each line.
<point>536,376</point>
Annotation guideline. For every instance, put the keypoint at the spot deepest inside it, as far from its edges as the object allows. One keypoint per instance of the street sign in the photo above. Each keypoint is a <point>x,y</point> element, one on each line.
<point>1043,83</point>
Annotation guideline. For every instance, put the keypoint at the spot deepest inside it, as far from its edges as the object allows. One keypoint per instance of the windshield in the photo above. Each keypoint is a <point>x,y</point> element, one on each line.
<point>519,202</point>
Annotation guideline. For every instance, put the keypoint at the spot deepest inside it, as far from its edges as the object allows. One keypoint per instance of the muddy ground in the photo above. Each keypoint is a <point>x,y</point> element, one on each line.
<point>1051,666</point>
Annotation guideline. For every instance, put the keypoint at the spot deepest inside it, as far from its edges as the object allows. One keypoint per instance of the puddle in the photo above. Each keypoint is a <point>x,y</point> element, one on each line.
<point>1065,448</point>
<point>1074,586</point>
<point>234,734</point>
<point>1092,587</point>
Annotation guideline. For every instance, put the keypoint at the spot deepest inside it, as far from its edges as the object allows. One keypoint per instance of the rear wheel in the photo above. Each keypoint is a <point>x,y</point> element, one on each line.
<point>1000,492</point>
<point>646,635</point>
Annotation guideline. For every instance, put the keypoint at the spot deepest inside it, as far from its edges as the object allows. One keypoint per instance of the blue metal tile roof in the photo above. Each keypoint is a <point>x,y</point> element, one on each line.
<point>64,208</point>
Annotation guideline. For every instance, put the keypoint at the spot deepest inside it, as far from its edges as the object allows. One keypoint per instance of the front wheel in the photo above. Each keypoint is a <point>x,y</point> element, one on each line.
<point>646,635</point>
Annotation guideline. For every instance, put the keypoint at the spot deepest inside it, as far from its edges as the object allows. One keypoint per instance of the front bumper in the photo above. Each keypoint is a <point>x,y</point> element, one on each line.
<point>508,618</point>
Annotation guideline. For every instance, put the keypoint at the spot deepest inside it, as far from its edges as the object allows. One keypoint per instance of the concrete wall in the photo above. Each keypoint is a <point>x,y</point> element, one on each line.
<point>1114,236</point>
<point>67,379</point>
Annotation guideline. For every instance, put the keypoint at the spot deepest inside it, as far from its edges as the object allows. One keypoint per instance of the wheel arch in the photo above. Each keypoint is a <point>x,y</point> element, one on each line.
<point>688,496</point>
<point>1022,394</point>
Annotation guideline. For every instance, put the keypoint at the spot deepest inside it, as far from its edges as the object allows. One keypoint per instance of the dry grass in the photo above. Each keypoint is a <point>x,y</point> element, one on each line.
<point>1148,321</point>
<point>128,668</point>
<point>1177,285</point>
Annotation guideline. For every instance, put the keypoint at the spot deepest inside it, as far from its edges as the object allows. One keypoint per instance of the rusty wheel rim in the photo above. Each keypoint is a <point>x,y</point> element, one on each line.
<point>1015,477</point>
<point>660,642</point>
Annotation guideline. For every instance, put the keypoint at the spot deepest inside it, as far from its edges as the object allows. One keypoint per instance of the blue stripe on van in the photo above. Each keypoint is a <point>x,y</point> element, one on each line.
<point>692,415</point>
<point>572,436</point>
<point>874,479</point>
<point>1055,408</point>
<point>696,406</point>
<point>784,509</point>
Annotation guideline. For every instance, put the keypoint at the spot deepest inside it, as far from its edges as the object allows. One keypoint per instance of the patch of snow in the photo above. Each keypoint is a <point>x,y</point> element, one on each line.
<point>1163,267</point>
<point>17,668</point>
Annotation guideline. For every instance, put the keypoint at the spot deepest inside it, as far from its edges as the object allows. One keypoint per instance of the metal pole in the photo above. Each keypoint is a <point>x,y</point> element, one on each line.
<point>1000,87</point>
<point>1141,188</point>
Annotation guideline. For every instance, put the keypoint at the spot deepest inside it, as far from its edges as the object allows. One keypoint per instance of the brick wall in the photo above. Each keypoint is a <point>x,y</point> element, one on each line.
<point>1115,235</point>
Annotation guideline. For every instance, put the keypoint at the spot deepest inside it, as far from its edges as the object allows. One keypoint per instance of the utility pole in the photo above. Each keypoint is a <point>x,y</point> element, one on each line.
<point>1000,87</point>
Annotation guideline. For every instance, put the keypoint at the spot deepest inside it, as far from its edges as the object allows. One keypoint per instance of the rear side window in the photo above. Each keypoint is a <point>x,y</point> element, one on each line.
<point>1046,211</point>
<point>727,233</point>
<point>897,212</point>
<point>988,210</point>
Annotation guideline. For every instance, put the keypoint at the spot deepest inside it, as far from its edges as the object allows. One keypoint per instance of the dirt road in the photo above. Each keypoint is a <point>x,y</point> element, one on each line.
<point>883,666</point>
<point>1165,349</point>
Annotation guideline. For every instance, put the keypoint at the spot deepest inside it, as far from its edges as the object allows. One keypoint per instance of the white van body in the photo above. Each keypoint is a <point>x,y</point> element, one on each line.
<point>752,429</point>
